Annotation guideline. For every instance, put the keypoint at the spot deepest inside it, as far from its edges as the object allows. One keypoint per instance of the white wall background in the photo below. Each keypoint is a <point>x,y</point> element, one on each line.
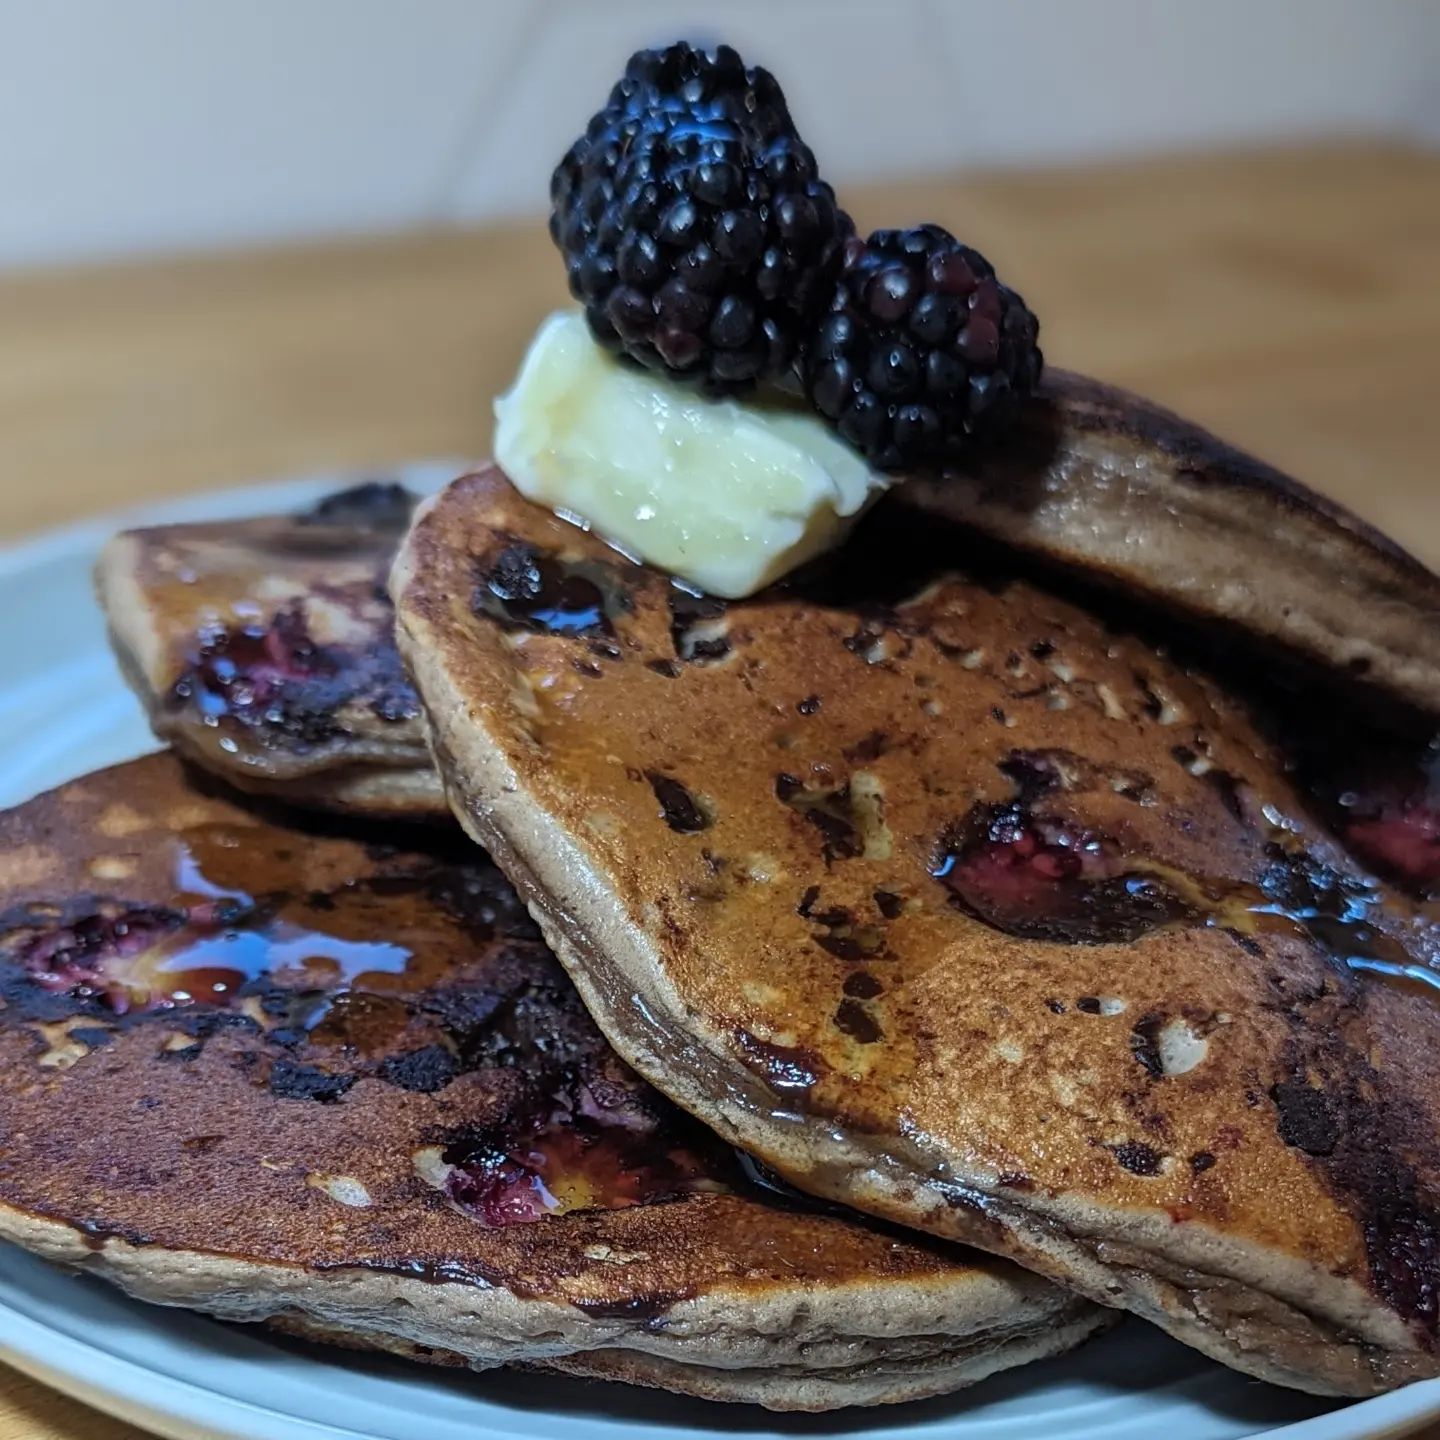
<point>133,125</point>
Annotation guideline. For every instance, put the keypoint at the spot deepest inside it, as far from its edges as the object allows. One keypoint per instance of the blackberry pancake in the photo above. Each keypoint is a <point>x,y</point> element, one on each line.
<point>263,650</point>
<point>260,1069</point>
<point>958,906</point>
<point>1117,488</point>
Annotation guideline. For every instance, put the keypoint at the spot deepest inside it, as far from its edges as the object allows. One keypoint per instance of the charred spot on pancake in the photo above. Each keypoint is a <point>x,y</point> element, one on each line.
<point>291,1080</point>
<point>523,588</point>
<point>372,505</point>
<point>785,1067</point>
<point>1305,1118</point>
<point>680,810</point>
<point>854,1020</point>
<point>697,627</point>
<point>430,1068</point>
<point>1040,878</point>
<point>1137,1157</point>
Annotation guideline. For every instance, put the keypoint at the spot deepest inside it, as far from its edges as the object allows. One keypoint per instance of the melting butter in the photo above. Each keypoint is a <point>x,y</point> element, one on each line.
<point>725,494</point>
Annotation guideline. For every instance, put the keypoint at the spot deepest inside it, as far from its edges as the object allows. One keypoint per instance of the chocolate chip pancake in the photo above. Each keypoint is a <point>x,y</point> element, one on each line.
<point>263,651</point>
<point>262,1069</point>
<point>1111,485</point>
<point>960,906</point>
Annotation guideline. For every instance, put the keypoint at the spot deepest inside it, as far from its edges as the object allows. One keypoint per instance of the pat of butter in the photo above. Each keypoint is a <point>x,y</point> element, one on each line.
<point>726,494</point>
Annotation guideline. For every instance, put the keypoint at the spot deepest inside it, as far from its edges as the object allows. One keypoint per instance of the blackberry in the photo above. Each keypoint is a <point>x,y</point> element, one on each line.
<point>920,349</point>
<point>694,224</point>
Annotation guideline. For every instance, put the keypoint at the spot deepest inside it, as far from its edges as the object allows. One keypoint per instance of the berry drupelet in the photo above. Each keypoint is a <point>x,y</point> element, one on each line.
<point>920,349</point>
<point>695,228</point>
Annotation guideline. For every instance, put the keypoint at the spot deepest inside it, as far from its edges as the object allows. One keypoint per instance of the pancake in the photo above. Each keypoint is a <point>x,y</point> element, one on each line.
<point>959,906</point>
<point>1117,488</point>
<point>261,1069</point>
<point>263,651</point>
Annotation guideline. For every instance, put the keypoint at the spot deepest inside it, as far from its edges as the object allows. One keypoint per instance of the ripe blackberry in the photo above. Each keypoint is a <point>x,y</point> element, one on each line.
<point>695,228</point>
<point>920,349</point>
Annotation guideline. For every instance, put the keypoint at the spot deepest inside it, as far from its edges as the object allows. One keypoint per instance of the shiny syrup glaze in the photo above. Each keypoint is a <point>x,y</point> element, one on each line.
<point>414,979</point>
<point>214,939</point>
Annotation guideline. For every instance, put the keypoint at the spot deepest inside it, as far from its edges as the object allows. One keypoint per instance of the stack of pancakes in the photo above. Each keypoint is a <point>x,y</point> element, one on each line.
<point>1023,915</point>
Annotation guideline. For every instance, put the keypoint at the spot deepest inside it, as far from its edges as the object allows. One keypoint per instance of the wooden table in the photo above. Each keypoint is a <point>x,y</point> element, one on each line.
<point>1290,300</point>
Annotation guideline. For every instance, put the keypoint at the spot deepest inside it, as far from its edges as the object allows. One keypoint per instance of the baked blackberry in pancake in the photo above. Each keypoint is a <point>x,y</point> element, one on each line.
<point>258,1067</point>
<point>957,905</point>
<point>1125,492</point>
<point>263,651</point>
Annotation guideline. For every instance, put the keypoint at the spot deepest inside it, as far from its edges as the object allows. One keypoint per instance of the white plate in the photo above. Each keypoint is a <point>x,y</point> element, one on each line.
<point>63,710</point>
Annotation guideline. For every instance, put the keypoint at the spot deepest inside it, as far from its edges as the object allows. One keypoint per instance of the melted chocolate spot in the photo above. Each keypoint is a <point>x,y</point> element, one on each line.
<point>696,639</point>
<point>855,1020</point>
<point>872,747</point>
<point>1145,1044</point>
<point>681,811</point>
<point>889,904</point>
<point>1201,1161</point>
<point>862,985</point>
<point>785,1067</point>
<point>649,1308</point>
<point>529,590</point>
<point>810,705</point>
<point>831,812</point>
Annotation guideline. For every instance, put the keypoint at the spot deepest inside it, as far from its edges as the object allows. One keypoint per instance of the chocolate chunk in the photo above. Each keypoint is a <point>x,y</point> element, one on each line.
<point>681,811</point>
<point>1137,1157</point>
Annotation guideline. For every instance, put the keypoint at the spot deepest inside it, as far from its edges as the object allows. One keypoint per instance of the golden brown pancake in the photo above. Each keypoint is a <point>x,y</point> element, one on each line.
<point>263,650</point>
<point>259,1068</point>
<point>1119,489</point>
<point>958,906</point>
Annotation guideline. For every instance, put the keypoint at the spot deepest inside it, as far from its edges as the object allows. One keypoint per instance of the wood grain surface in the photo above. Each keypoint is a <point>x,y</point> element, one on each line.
<point>1288,299</point>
